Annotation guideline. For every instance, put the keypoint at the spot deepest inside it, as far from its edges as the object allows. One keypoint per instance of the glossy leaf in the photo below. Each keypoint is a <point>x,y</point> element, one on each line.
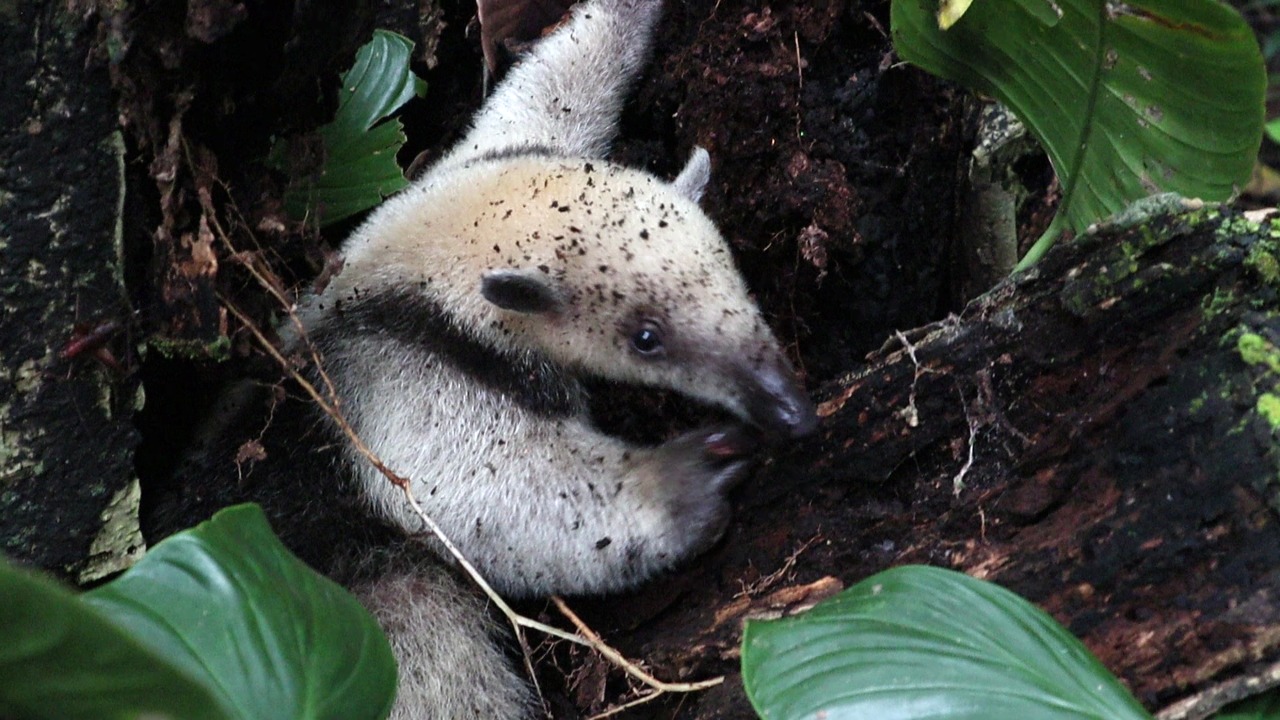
<point>216,623</point>
<point>1273,130</point>
<point>919,642</point>
<point>1128,99</point>
<point>227,603</point>
<point>950,12</point>
<point>361,142</point>
<point>62,659</point>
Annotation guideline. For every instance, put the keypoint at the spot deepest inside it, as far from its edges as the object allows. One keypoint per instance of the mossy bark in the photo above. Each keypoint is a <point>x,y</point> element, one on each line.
<point>68,494</point>
<point>1106,418</point>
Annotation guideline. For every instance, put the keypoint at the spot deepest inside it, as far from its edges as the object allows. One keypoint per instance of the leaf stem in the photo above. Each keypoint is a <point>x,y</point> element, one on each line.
<point>1043,243</point>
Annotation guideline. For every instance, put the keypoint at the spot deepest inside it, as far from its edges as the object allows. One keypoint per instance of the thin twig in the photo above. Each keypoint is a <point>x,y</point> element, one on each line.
<point>658,687</point>
<point>910,413</point>
<point>761,585</point>
<point>399,481</point>
<point>799,62</point>
<point>641,700</point>
<point>631,668</point>
<point>285,304</point>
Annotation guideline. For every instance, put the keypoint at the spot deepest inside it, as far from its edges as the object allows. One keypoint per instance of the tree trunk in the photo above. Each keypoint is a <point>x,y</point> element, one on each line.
<point>68,494</point>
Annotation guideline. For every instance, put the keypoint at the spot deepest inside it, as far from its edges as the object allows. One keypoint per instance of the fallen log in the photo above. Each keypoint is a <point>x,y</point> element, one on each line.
<point>1098,434</point>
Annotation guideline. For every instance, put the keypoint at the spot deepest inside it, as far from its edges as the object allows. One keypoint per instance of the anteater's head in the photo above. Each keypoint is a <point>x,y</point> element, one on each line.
<point>620,275</point>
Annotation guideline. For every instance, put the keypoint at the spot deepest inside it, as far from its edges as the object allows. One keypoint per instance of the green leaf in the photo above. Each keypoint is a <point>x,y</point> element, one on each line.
<point>950,12</point>
<point>61,659</point>
<point>1273,130</point>
<point>216,623</point>
<point>921,642</point>
<point>227,603</point>
<point>1128,99</point>
<point>359,144</point>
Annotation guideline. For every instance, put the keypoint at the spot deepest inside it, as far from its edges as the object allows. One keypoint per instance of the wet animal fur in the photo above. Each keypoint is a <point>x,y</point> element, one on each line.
<point>469,309</point>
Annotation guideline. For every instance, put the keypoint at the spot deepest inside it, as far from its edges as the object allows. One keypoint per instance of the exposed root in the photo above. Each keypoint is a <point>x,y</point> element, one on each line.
<point>957,482</point>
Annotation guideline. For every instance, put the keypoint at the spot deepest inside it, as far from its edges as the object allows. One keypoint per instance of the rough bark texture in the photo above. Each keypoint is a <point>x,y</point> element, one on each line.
<point>1098,435</point>
<point>68,494</point>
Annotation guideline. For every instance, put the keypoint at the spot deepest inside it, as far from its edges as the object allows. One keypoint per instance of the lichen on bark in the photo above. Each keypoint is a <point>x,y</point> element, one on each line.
<point>66,425</point>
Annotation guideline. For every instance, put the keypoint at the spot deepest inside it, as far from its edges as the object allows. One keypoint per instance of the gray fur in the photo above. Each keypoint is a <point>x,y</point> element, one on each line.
<point>693,179</point>
<point>567,94</point>
<point>451,662</point>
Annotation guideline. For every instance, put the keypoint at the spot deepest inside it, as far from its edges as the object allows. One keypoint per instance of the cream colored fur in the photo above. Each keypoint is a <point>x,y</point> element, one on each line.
<point>623,229</point>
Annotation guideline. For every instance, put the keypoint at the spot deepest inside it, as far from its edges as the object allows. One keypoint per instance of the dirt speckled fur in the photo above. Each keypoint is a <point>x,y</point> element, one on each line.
<point>469,310</point>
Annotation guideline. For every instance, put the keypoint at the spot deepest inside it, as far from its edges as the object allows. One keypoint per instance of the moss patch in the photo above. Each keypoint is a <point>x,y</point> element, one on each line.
<point>1257,350</point>
<point>1269,408</point>
<point>1264,259</point>
<point>1261,353</point>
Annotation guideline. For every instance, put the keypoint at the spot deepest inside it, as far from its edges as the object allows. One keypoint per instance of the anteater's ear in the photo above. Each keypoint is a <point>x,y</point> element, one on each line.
<point>692,180</point>
<point>520,291</point>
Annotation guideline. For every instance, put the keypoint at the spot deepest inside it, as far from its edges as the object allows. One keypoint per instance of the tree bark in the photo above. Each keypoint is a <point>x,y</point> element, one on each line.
<point>68,494</point>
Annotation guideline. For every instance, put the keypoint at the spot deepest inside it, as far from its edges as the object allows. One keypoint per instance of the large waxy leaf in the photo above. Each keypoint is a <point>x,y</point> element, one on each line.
<point>226,601</point>
<point>360,144</point>
<point>220,621</point>
<point>62,659</point>
<point>1128,99</point>
<point>921,642</point>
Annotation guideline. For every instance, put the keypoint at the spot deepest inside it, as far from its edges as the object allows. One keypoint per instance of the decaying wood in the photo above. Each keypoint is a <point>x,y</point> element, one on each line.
<point>1123,477</point>
<point>1094,434</point>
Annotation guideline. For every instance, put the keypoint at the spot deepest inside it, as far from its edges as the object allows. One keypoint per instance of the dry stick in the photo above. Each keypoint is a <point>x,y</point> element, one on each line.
<point>331,408</point>
<point>588,637</point>
<point>957,482</point>
<point>628,705</point>
<point>659,687</point>
<point>287,305</point>
<point>910,413</point>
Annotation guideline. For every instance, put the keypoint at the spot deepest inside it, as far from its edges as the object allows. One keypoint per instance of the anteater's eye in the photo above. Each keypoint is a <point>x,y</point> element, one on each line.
<point>647,340</point>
